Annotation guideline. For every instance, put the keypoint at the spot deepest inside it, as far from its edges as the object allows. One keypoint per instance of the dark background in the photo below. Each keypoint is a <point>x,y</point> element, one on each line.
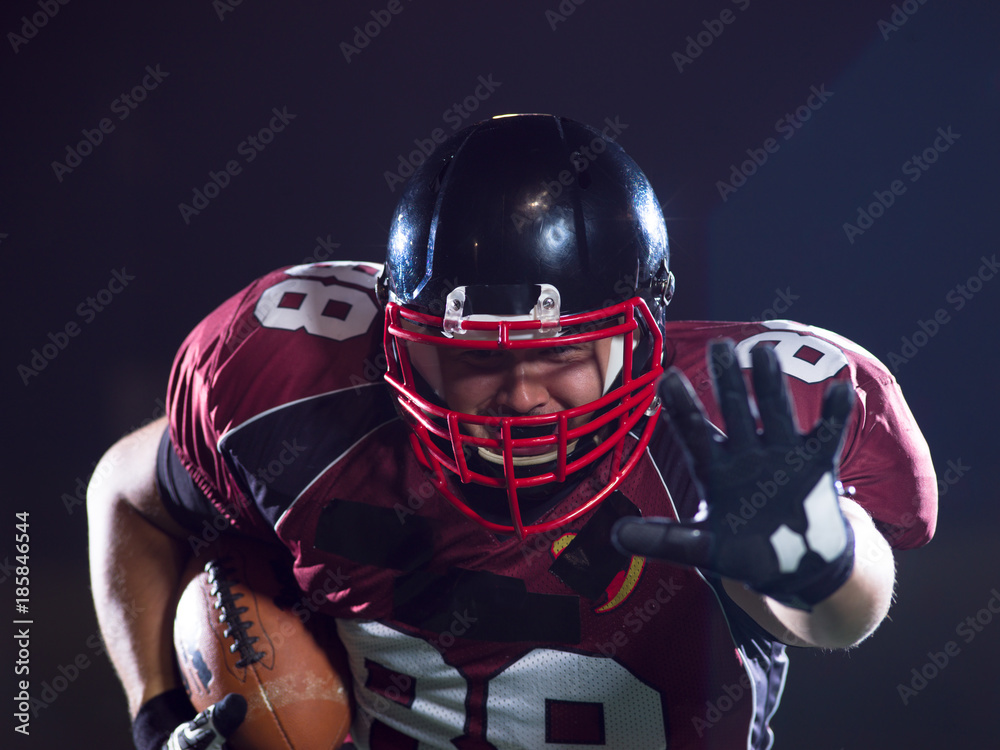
<point>780,236</point>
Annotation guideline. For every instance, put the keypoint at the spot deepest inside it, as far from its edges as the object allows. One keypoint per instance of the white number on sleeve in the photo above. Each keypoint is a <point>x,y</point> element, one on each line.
<point>332,311</point>
<point>808,358</point>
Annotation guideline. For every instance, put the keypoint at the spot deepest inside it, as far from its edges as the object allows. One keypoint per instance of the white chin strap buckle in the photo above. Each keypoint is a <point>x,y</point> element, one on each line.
<point>454,306</point>
<point>546,310</point>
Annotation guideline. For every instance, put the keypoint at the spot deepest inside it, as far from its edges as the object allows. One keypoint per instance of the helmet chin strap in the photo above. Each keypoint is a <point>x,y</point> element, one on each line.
<point>494,458</point>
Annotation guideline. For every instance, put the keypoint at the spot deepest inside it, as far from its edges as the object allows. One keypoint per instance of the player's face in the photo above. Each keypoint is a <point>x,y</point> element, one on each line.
<point>518,382</point>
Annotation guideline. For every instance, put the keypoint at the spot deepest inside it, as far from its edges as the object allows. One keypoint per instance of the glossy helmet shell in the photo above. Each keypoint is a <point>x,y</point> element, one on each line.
<point>528,227</point>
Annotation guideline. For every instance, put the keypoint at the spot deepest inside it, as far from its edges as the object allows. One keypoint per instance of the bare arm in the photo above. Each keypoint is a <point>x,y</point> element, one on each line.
<point>137,555</point>
<point>847,616</point>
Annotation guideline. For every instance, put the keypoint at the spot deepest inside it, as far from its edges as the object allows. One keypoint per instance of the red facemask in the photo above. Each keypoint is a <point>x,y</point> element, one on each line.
<point>442,439</point>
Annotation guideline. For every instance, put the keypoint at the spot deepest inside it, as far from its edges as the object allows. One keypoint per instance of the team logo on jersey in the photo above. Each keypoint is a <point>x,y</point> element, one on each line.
<point>621,585</point>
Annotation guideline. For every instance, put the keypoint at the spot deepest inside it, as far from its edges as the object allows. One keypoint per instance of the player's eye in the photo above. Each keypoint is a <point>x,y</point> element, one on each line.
<point>564,353</point>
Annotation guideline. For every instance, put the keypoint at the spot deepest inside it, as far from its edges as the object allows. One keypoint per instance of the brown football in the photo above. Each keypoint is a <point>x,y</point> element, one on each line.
<point>237,631</point>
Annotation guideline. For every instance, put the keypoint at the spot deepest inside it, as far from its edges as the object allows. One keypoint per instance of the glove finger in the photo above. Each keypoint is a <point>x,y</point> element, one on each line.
<point>829,431</point>
<point>209,729</point>
<point>228,713</point>
<point>685,543</point>
<point>771,392</point>
<point>688,419</point>
<point>731,392</point>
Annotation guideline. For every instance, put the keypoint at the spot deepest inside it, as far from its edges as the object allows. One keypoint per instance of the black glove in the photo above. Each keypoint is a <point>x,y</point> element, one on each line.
<point>772,517</point>
<point>164,723</point>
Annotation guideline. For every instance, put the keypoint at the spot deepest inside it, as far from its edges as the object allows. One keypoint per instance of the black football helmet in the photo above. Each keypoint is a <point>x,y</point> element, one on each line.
<point>527,232</point>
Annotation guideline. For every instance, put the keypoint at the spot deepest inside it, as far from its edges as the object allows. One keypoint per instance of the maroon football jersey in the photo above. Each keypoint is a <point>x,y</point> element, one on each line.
<point>458,637</point>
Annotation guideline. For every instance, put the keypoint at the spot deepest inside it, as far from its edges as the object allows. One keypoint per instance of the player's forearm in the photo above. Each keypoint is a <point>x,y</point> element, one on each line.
<point>135,568</point>
<point>134,589</point>
<point>856,609</point>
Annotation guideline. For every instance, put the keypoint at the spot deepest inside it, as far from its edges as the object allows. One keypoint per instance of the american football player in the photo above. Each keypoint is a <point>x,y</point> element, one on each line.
<point>537,512</point>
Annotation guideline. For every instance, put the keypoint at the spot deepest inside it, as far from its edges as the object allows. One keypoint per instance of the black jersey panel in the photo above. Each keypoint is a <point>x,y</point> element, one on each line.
<point>279,453</point>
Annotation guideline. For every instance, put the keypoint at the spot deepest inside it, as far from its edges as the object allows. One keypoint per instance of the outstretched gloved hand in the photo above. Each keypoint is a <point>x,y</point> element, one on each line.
<point>795,546</point>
